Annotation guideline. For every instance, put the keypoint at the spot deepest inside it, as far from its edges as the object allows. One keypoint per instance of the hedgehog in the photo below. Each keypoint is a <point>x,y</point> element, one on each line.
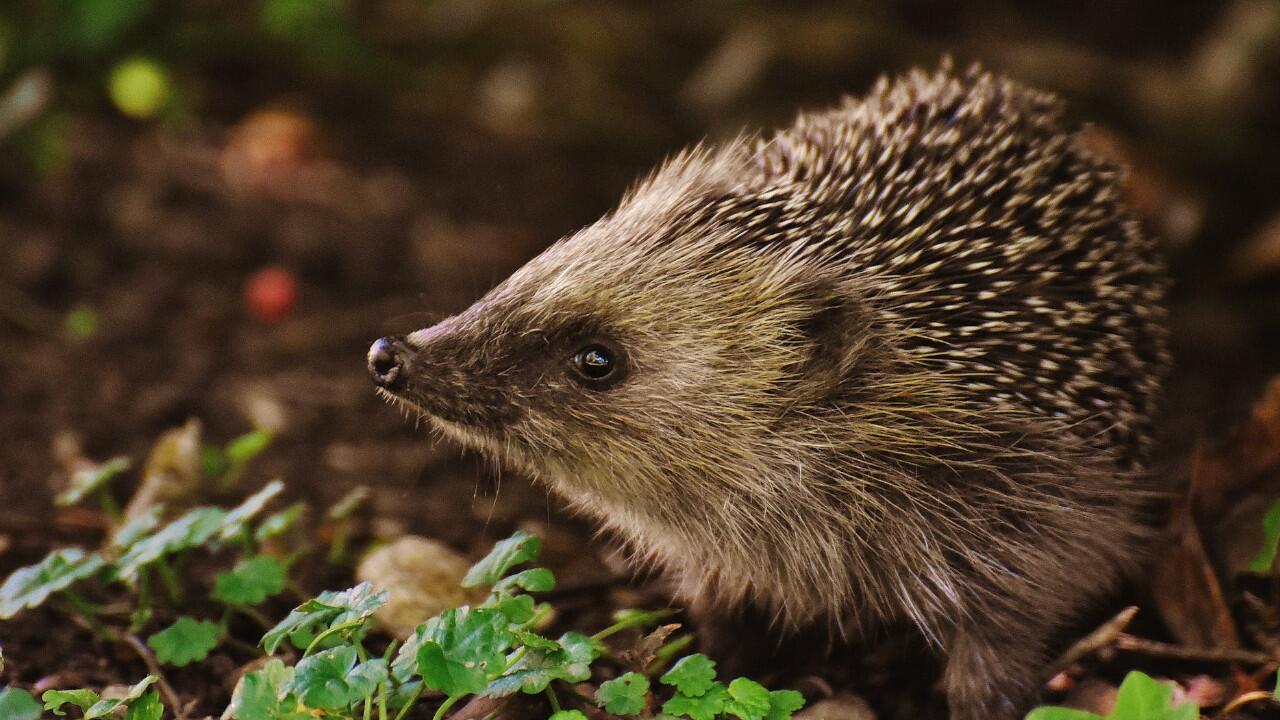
<point>896,363</point>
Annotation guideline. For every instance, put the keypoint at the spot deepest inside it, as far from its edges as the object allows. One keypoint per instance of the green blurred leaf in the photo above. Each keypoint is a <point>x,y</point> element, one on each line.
<point>250,582</point>
<point>249,446</point>
<point>90,480</point>
<point>193,529</point>
<point>30,586</point>
<point>1270,540</point>
<point>147,707</point>
<point>18,704</point>
<point>234,522</point>
<point>186,641</point>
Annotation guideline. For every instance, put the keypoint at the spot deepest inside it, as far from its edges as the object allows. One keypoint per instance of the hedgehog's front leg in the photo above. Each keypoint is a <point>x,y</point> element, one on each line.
<point>993,673</point>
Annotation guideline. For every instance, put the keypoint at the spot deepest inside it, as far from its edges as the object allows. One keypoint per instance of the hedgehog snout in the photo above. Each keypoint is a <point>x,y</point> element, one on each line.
<point>386,362</point>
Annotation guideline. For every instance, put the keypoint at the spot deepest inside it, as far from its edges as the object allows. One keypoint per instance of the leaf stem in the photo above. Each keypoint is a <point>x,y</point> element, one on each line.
<point>413,699</point>
<point>444,706</point>
<point>331,631</point>
<point>634,620</point>
<point>551,698</point>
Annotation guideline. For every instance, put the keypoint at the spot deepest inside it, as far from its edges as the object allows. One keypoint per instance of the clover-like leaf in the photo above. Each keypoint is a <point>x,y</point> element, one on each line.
<point>250,582</point>
<point>18,704</point>
<point>30,586</point>
<point>258,695</point>
<point>568,715</point>
<point>702,707</point>
<point>624,695</point>
<point>782,703</point>
<point>89,480</point>
<point>327,610</point>
<point>518,608</point>
<point>55,699</point>
<point>568,659</point>
<point>691,675</point>
<point>330,680</point>
<point>748,699</point>
<point>1140,697</point>
<point>193,529</point>
<point>186,641</point>
<point>506,554</point>
<point>90,703</point>
<point>461,648</point>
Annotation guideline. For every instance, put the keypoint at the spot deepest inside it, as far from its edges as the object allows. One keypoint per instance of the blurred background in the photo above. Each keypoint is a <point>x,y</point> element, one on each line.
<point>208,208</point>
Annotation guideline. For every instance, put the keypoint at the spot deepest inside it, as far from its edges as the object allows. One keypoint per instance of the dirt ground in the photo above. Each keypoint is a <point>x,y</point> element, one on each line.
<point>398,194</point>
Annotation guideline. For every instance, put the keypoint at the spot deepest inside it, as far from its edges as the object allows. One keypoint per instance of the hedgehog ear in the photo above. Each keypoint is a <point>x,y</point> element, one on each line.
<point>837,334</point>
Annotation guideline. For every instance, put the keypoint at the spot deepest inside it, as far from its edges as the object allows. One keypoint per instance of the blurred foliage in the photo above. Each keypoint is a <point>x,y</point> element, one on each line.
<point>146,58</point>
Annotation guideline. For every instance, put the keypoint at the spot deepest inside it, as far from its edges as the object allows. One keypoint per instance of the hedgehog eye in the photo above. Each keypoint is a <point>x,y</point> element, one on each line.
<point>596,364</point>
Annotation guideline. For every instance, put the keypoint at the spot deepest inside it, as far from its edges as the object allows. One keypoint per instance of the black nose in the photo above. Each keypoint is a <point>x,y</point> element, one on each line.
<point>386,361</point>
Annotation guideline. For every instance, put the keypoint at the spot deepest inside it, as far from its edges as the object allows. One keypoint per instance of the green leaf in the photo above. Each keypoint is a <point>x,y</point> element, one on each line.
<point>250,581</point>
<point>147,707</point>
<point>233,523</point>
<point>518,608</point>
<point>702,707</point>
<point>93,706</point>
<point>782,703</point>
<point>55,699</point>
<point>532,580</point>
<point>187,640</point>
<point>193,529</point>
<point>506,554</point>
<point>462,648</point>
<point>1142,697</point>
<point>568,715</point>
<point>691,675</point>
<point>30,586</point>
<point>748,699</point>
<point>1060,713</point>
<point>248,446</point>
<point>277,523</point>
<point>18,704</point>
<point>327,610</point>
<point>137,528</point>
<point>331,680</point>
<point>90,480</point>
<point>258,694</point>
<point>1271,540</point>
<point>569,660</point>
<point>624,695</point>
<point>348,504</point>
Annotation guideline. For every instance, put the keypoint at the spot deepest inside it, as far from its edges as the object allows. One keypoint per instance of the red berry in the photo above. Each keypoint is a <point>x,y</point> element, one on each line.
<point>270,294</point>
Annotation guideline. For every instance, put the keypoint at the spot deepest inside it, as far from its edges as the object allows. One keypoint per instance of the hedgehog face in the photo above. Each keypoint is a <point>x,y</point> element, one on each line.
<point>620,379</point>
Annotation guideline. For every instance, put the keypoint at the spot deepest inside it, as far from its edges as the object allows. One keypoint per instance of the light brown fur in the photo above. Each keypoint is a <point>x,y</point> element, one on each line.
<point>895,363</point>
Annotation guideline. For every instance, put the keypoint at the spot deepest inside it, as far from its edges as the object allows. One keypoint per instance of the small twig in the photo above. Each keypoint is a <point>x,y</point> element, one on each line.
<point>142,651</point>
<point>1187,652</point>
<point>1242,700</point>
<point>1104,636</point>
